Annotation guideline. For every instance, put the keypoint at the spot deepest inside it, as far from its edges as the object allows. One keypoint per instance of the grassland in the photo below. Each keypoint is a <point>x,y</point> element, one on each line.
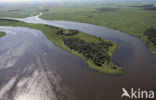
<point>16,12</point>
<point>2,34</point>
<point>50,33</point>
<point>132,20</point>
<point>20,10</point>
<point>127,18</point>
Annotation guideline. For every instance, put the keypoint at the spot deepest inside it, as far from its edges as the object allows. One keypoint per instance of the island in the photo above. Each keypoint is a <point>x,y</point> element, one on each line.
<point>2,34</point>
<point>95,51</point>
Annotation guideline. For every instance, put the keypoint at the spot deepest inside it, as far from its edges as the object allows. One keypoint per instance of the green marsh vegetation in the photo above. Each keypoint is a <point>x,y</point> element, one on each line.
<point>150,38</point>
<point>123,17</point>
<point>2,34</point>
<point>96,52</point>
<point>147,7</point>
<point>17,10</point>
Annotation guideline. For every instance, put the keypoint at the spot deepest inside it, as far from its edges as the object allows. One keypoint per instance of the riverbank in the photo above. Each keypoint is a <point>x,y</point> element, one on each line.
<point>51,33</point>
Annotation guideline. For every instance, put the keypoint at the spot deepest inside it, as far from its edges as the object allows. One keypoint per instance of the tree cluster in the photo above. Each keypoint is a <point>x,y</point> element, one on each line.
<point>151,35</point>
<point>10,20</point>
<point>50,26</point>
<point>96,52</point>
<point>147,7</point>
<point>105,9</point>
<point>150,8</point>
<point>67,32</point>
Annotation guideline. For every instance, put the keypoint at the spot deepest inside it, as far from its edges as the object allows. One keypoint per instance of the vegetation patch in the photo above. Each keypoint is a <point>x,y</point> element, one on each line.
<point>96,52</point>
<point>43,10</point>
<point>11,20</point>
<point>67,32</point>
<point>2,34</point>
<point>150,8</point>
<point>151,35</point>
<point>147,7</point>
<point>150,38</point>
<point>104,9</point>
<point>14,10</point>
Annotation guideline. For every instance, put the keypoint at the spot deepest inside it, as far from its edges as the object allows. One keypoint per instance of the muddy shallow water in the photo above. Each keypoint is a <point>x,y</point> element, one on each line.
<point>33,68</point>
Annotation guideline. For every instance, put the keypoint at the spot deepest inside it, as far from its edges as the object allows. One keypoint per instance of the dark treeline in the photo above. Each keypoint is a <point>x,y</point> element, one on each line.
<point>151,35</point>
<point>147,7</point>
<point>67,32</point>
<point>150,8</point>
<point>52,27</point>
<point>14,10</point>
<point>43,10</point>
<point>96,52</point>
<point>105,9</point>
<point>10,20</point>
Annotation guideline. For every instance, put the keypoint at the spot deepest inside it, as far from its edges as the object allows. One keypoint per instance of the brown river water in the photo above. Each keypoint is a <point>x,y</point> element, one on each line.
<point>33,68</point>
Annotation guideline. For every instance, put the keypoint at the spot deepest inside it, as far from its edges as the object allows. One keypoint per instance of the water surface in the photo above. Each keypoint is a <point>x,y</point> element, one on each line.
<point>31,58</point>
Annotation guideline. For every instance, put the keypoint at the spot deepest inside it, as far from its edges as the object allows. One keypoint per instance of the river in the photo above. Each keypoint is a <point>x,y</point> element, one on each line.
<point>33,68</point>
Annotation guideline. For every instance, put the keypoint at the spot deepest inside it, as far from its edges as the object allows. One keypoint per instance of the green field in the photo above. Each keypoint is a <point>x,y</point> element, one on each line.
<point>51,33</point>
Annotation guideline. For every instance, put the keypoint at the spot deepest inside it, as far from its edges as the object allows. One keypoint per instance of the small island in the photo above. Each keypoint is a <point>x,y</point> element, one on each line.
<point>2,34</point>
<point>96,52</point>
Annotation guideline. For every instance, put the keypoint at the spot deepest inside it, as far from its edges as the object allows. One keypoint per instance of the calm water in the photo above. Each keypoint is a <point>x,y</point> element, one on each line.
<point>32,68</point>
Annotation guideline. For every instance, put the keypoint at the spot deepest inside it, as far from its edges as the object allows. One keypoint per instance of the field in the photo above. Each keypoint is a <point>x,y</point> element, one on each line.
<point>51,33</point>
